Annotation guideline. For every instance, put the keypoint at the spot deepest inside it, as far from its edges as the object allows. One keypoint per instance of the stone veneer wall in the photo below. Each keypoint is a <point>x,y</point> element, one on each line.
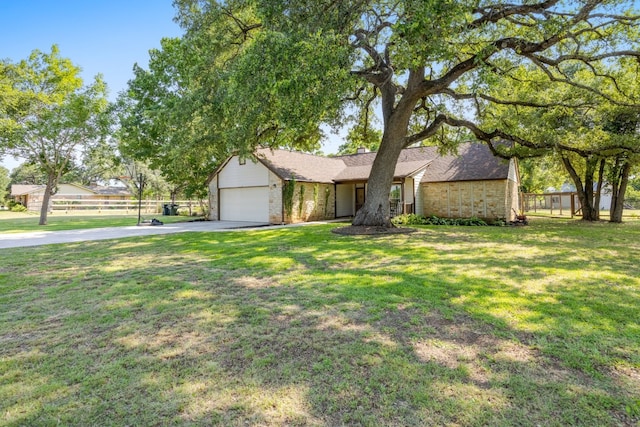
<point>465,199</point>
<point>276,210</point>
<point>312,210</point>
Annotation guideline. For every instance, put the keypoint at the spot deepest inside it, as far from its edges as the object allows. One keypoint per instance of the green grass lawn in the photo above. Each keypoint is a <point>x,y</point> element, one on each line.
<point>499,326</point>
<point>12,222</point>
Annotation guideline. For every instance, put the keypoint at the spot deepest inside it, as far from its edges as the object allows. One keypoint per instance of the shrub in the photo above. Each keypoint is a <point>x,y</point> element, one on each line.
<point>500,222</point>
<point>413,219</point>
<point>473,221</point>
<point>409,219</point>
<point>17,207</point>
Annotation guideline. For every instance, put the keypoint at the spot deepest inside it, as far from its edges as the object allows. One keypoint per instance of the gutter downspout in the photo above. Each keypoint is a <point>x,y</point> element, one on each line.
<point>335,200</point>
<point>282,201</point>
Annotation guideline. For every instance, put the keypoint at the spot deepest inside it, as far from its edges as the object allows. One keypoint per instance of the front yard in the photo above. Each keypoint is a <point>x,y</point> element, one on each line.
<point>22,222</point>
<point>466,326</point>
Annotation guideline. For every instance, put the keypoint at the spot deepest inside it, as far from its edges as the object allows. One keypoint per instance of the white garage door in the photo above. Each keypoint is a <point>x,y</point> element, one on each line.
<point>244,204</point>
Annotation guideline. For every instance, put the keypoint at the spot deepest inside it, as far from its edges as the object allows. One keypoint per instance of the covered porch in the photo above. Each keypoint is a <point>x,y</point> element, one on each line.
<point>350,196</point>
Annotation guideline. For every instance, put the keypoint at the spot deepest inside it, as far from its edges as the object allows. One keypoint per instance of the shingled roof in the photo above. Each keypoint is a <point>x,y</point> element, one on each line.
<point>22,189</point>
<point>410,161</point>
<point>110,190</point>
<point>301,166</point>
<point>474,162</point>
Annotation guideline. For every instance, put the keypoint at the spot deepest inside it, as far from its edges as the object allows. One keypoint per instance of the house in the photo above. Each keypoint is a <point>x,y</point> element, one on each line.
<point>562,198</point>
<point>280,186</point>
<point>31,196</point>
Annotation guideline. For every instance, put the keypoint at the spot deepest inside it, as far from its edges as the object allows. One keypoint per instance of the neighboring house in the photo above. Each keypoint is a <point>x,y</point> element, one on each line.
<point>110,192</point>
<point>31,196</point>
<point>562,198</point>
<point>472,183</point>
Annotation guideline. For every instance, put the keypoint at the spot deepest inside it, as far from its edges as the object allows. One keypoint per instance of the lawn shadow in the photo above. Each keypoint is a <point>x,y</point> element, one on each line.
<point>221,329</point>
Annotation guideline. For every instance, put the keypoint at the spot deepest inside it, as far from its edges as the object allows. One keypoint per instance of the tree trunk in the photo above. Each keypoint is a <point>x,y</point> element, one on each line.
<point>585,192</point>
<point>46,197</point>
<point>375,211</point>
<point>617,194</point>
<point>376,208</point>
<point>596,202</point>
<point>395,116</point>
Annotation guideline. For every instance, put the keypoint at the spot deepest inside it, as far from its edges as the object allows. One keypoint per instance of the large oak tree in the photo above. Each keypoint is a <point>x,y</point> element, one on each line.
<point>271,72</point>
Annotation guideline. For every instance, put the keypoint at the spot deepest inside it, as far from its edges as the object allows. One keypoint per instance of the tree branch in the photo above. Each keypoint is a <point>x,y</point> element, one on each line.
<point>494,13</point>
<point>489,138</point>
<point>475,96</point>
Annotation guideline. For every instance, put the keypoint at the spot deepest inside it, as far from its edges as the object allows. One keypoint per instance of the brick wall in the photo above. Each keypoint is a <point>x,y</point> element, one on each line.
<point>275,199</point>
<point>482,199</point>
<point>318,202</point>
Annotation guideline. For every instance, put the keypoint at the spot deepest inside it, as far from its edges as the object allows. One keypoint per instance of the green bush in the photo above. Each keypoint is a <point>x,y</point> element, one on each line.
<point>473,221</point>
<point>500,222</point>
<point>413,219</point>
<point>17,207</point>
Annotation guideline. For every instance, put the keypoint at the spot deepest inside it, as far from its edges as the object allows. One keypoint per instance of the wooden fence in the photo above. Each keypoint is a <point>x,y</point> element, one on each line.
<point>560,203</point>
<point>110,206</point>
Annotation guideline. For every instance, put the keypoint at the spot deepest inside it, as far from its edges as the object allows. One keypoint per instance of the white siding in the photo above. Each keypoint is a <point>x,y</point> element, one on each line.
<point>408,190</point>
<point>345,203</point>
<point>244,204</point>
<point>418,206</point>
<point>513,174</point>
<point>605,197</point>
<point>251,174</point>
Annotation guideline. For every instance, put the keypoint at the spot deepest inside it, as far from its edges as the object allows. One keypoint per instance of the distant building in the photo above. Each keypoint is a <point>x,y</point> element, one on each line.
<point>564,200</point>
<point>31,196</point>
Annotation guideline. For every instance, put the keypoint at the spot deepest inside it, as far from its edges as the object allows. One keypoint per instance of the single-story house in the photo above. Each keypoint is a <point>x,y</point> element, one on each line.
<point>31,196</point>
<point>562,197</point>
<point>280,186</point>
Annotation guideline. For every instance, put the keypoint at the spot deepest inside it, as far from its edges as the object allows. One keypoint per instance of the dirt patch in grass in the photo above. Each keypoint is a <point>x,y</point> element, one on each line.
<point>359,230</point>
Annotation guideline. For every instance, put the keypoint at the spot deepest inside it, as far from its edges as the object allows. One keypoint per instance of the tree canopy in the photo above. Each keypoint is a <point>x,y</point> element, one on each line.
<point>165,121</point>
<point>48,116</point>
<point>595,135</point>
<point>4,184</point>
<point>272,72</point>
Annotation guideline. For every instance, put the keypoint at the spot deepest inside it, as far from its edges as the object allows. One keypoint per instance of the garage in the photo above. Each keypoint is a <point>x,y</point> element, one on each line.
<point>244,204</point>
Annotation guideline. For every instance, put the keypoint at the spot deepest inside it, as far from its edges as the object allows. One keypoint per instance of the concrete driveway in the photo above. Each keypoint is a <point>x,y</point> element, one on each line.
<point>37,238</point>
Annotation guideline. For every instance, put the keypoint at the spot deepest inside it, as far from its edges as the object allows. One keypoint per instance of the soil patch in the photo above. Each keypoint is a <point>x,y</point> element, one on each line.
<point>358,230</point>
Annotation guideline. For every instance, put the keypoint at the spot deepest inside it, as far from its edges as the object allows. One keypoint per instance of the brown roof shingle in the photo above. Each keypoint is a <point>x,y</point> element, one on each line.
<point>410,161</point>
<point>474,162</point>
<point>301,166</point>
<point>22,189</point>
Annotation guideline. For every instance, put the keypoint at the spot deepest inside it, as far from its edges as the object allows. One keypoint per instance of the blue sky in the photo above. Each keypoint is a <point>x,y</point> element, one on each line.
<point>100,36</point>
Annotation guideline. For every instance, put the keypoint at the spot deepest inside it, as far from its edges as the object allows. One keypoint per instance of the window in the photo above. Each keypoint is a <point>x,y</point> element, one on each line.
<point>394,194</point>
<point>395,200</point>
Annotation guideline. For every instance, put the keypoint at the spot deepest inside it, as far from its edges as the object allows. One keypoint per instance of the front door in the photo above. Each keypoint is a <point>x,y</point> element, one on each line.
<point>359,198</point>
